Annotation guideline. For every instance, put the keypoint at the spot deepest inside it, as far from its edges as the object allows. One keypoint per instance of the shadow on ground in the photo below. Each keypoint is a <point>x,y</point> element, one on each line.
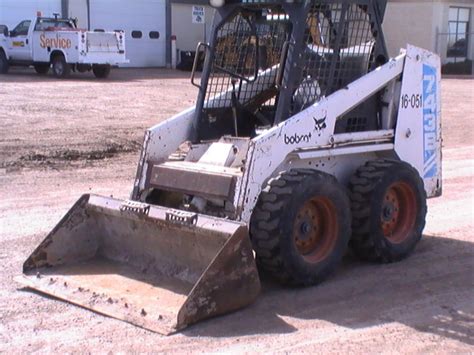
<point>116,75</point>
<point>419,292</point>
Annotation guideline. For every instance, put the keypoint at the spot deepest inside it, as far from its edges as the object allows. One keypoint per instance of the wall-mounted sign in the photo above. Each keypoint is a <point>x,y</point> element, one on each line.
<point>198,14</point>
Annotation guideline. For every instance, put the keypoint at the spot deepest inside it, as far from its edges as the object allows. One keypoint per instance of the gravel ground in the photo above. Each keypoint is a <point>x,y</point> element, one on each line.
<point>59,139</point>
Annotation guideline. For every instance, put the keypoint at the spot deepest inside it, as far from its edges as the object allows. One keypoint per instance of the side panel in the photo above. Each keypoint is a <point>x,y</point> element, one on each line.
<point>102,48</point>
<point>160,141</point>
<point>45,42</point>
<point>79,46</point>
<point>418,131</point>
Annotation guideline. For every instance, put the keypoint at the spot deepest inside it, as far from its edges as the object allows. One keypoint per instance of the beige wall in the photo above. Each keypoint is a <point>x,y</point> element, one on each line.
<point>421,23</point>
<point>188,33</point>
<point>409,23</point>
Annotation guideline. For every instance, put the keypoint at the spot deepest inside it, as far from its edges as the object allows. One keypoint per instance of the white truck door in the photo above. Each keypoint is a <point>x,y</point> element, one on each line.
<point>19,42</point>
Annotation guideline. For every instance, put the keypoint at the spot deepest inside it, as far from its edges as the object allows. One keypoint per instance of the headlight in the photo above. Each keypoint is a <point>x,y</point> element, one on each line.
<point>217,3</point>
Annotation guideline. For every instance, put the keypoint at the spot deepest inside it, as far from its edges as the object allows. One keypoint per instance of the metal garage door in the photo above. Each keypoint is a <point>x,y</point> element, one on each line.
<point>144,22</point>
<point>14,11</point>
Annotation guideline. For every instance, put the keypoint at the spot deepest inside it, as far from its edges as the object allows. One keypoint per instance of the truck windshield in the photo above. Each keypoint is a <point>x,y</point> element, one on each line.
<point>45,24</point>
<point>21,29</point>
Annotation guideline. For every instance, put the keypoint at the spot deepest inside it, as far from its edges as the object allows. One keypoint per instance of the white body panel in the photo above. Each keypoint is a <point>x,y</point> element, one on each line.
<point>308,139</point>
<point>418,133</point>
<point>162,140</point>
<point>79,46</point>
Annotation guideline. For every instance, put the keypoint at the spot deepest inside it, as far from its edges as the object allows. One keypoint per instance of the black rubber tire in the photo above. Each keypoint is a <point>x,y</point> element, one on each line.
<point>4,65</point>
<point>101,71</point>
<point>42,69</point>
<point>369,192</point>
<point>274,220</point>
<point>61,69</point>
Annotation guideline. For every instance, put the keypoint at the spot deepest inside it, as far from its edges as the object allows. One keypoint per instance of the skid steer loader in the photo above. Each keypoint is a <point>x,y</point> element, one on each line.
<point>305,139</point>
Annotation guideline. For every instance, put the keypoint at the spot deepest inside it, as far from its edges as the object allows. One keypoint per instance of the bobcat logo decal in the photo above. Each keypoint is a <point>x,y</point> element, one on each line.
<point>320,124</point>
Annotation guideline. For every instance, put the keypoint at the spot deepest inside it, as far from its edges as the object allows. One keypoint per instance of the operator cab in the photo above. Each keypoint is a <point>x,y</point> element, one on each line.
<point>264,66</point>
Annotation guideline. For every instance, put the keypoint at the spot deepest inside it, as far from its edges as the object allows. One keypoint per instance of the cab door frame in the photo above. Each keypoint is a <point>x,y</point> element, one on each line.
<point>20,43</point>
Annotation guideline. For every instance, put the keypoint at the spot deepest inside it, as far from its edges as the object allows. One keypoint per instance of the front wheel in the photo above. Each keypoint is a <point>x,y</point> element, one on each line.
<point>61,69</point>
<point>101,71</point>
<point>41,69</point>
<point>301,226</point>
<point>4,66</point>
<point>388,202</point>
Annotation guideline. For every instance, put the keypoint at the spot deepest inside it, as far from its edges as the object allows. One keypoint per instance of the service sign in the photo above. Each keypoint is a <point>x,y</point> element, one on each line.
<point>54,41</point>
<point>198,14</point>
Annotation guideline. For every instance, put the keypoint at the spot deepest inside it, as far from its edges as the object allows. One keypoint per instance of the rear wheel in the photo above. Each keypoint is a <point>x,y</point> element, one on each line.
<point>300,227</point>
<point>4,66</point>
<point>388,203</point>
<point>101,71</point>
<point>61,69</point>
<point>41,69</point>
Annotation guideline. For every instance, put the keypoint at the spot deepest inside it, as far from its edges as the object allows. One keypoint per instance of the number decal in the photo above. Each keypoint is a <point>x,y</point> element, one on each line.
<point>413,101</point>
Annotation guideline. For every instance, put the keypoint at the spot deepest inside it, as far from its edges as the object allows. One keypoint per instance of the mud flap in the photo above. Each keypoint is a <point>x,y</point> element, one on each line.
<point>156,268</point>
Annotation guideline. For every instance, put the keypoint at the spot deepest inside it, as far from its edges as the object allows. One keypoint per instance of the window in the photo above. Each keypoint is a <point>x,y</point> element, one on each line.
<point>154,34</point>
<point>136,34</point>
<point>44,24</point>
<point>21,29</point>
<point>458,33</point>
<point>99,30</point>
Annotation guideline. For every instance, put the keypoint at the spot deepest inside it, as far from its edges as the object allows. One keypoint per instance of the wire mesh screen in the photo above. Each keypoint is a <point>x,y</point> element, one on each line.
<point>247,50</point>
<point>339,44</point>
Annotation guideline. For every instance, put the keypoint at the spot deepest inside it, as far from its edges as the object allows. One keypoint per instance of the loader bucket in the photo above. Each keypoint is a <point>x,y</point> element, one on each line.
<point>157,268</point>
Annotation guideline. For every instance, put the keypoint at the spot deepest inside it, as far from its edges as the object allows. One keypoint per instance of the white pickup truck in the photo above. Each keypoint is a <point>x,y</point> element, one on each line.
<point>54,42</point>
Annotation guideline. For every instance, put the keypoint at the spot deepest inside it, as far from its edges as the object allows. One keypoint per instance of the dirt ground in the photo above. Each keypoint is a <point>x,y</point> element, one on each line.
<point>59,139</point>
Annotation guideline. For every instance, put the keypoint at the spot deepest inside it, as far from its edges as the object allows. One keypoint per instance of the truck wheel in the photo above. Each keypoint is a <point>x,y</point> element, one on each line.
<point>41,69</point>
<point>388,203</point>
<point>301,226</point>
<point>4,66</point>
<point>61,69</point>
<point>101,71</point>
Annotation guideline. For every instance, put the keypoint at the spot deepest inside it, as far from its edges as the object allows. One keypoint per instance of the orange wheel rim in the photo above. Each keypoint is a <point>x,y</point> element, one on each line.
<point>399,210</point>
<point>315,229</point>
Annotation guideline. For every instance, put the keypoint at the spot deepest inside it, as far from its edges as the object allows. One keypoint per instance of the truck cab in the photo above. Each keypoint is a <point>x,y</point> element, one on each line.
<point>19,43</point>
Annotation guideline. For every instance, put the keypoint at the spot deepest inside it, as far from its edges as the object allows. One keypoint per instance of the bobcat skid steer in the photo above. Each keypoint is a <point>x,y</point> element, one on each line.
<point>306,139</point>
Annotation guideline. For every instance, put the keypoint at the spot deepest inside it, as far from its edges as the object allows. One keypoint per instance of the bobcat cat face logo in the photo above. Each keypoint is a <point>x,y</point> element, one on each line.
<point>320,124</point>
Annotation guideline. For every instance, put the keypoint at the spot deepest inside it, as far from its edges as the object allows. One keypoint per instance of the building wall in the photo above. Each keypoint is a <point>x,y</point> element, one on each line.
<point>409,23</point>
<point>187,33</point>
<point>442,28</point>
<point>78,8</point>
<point>139,19</point>
<point>14,11</point>
<point>423,23</point>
